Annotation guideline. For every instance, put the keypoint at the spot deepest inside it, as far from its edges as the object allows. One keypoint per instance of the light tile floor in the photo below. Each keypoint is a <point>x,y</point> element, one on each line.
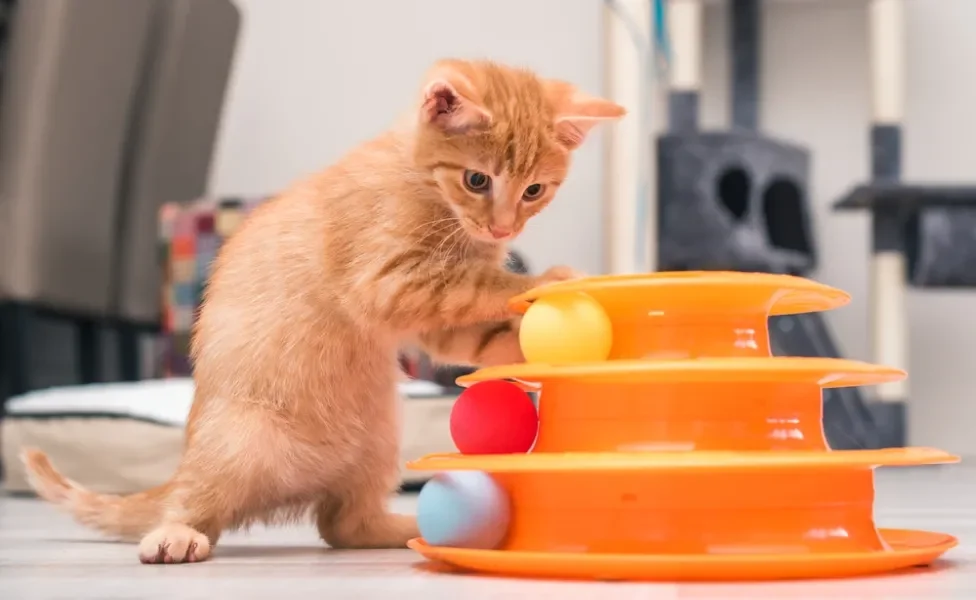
<point>43,555</point>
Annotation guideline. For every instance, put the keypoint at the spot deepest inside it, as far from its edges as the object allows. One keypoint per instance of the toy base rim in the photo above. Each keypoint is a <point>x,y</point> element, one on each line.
<point>909,548</point>
<point>702,460</point>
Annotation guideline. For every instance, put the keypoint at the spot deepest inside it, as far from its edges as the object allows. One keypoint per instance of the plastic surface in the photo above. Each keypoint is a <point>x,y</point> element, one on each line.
<point>825,372</point>
<point>691,453</point>
<point>465,509</point>
<point>681,460</point>
<point>907,548</point>
<point>494,417</point>
<point>694,314</point>
<point>736,505</point>
<point>712,290</point>
<point>565,329</point>
<point>704,404</point>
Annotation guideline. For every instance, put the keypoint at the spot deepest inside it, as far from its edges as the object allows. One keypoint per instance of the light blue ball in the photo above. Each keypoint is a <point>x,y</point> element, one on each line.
<point>463,509</point>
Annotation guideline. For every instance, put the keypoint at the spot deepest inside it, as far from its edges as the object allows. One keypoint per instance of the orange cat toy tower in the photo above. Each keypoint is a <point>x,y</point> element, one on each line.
<point>690,453</point>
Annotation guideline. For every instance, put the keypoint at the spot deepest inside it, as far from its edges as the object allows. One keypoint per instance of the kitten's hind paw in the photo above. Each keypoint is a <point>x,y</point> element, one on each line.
<point>386,531</point>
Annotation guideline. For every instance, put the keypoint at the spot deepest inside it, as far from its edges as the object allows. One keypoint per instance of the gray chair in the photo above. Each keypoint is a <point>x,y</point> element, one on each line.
<point>107,108</point>
<point>69,75</point>
<point>172,140</point>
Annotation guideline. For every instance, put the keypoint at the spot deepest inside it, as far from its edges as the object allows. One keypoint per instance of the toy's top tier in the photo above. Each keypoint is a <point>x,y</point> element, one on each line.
<point>695,313</point>
<point>703,291</point>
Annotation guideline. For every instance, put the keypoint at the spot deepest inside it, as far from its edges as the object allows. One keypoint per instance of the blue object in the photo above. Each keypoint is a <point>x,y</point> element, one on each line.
<point>659,27</point>
<point>463,509</point>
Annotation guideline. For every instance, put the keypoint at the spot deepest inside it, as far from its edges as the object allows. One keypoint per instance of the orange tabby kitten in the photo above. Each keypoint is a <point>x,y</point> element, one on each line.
<point>402,241</point>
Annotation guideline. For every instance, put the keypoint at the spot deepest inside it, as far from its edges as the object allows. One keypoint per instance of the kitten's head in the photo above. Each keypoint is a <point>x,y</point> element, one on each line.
<point>498,141</point>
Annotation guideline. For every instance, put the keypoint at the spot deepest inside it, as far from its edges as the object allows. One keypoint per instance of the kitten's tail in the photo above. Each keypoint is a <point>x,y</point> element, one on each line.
<point>127,517</point>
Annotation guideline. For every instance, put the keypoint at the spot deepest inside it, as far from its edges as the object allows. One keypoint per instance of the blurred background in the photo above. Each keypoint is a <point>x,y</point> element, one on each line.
<point>136,134</point>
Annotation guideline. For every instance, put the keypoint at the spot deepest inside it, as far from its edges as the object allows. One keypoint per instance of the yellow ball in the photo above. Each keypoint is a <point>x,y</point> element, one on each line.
<point>565,328</point>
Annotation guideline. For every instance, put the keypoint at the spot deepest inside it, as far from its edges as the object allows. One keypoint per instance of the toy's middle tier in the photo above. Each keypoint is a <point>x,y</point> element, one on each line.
<point>694,314</point>
<point>701,404</point>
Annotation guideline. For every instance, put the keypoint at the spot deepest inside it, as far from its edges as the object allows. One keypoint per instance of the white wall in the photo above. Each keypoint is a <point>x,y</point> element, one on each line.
<point>316,77</point>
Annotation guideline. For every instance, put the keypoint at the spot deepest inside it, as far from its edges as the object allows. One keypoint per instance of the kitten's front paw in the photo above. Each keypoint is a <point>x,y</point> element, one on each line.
<point>174,543</point>
<point>559,273</point>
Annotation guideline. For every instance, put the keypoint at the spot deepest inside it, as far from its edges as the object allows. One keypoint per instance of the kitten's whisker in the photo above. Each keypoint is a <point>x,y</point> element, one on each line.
<point>443,241</point>
<point>443,233</point>
<point>433,226</point>
<point>457,245</point>
<point>440,229</point>
<point>441,264</point>
<point>466,248</point>
<point>427,223</point>
<point>432,223</point>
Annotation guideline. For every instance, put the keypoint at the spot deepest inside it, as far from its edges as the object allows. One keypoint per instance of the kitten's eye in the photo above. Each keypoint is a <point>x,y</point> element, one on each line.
<point>476,181</point>
<point>533,191</point>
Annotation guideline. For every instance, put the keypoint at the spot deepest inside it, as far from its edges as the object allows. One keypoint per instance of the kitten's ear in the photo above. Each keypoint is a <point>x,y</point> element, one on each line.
<point>577,113</point>
<point>449,102</point>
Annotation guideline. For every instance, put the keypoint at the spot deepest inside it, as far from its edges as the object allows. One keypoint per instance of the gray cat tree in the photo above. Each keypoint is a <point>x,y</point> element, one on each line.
<point>739,199</point>
<point>923,235</point>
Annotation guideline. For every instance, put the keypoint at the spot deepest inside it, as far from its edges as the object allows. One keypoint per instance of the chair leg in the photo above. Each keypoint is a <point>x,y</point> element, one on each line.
<point>129,353</point>
<point>15,322</point>
<point>88,352</point>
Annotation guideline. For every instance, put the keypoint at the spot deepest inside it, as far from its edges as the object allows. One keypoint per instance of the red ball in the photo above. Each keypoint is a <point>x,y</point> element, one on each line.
<point>494,417</point>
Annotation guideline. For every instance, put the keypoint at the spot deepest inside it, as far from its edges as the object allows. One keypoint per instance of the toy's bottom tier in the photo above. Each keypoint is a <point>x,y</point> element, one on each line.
<point>691,503</point>
<point>905,548</point>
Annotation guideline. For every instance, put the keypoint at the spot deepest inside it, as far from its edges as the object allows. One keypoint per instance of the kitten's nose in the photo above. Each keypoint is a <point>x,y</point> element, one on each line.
<point>499,232</point>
